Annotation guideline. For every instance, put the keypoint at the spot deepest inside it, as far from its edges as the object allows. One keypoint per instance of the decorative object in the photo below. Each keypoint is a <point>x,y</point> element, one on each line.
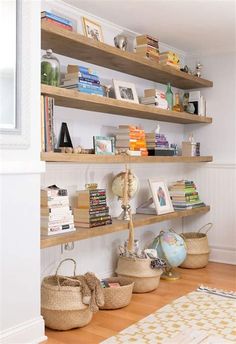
<point>64,136</point>
<point>92,29</point>
<point>204,311</point>
<point>198,70</point>
<point>140,272</point>
<point>197,248</point>
<point>125,91</point>
<point>177,106</point>
<point>169,58</point>
<point>62,305</point>
<point>185,69</point>
<point>169,97</point>
<point>161,197</point>
<point>124,186</point>
<point>193,105</point>
<point>104,145</point>
<point>171,247</point>
<point>50,69</point>
<point>190,147</point>
<point>107,90</point>
<point>117,297</point>
<point>121,42</point>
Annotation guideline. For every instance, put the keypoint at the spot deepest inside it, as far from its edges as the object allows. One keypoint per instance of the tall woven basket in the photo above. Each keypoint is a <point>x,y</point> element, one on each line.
<point>197,248</point>
<point>61,306</point>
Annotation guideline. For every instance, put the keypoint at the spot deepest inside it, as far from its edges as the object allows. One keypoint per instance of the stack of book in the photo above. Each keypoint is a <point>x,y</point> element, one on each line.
<point>168,58</point>
<point>132,139</point>
<point>83,79</point>
<point>157,144</point>
<point>48,138</point>
<point>147,46</point>
<point>184,195</point>
<point>56,215</point>
<point>154,97</point>
<point>56,20</point>
<point>92,209</point>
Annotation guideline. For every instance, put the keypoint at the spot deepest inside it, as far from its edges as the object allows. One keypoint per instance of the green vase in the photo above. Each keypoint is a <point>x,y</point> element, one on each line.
<point>169,97</point>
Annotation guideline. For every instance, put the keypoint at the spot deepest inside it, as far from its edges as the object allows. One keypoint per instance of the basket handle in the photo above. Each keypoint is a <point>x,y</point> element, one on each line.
<point>64,260</point>
<point>209,225</point>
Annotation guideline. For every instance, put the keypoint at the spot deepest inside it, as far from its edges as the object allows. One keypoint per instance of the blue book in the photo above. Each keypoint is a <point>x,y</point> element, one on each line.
<point>87,91</point>
<point>89,81</point>
<point>88,76</point>
<point>87,71</point>
<point>90,87</point>
<point>57,18</point>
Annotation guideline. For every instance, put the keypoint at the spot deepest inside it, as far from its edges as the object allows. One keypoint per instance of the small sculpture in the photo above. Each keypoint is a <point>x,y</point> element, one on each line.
<point>198,70</point>
<point>121,42</point>
<point>107,90</point>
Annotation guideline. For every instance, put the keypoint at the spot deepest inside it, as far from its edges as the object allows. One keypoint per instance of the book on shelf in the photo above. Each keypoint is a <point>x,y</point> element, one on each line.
<point>62,20</point>
<point>57,23</point>
<point>48,138</point>
<point>91,208</point>
<point>56,214</point>
<point>147,39</point>
<point>184,195</point>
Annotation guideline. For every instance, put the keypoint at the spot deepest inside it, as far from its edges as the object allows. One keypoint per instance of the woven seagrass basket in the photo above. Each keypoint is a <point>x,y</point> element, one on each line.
<point>197,248</point>
<point>117,297</point>
<point>140,272</point>
<point>61,306</point>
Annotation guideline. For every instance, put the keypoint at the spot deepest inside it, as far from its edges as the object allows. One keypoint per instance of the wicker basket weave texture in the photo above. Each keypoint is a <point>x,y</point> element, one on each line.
<point>140,272</point>
<point>117,297</point>
<point>62,306</point>
<point>197,248</point>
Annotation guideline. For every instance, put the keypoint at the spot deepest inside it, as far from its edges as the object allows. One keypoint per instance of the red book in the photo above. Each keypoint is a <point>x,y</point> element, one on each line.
<point>64,26</point>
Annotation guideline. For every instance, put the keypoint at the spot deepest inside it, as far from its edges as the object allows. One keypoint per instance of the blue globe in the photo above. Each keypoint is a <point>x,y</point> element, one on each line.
<point>170,247</point>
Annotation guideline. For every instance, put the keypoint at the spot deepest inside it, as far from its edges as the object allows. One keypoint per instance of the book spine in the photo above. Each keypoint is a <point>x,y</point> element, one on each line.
<point>42,125</point>
<point>88,76</point>
<point>90,86</point>
<point>57,23</point>
<point>88,81</point>
<point>57,18</point>
<point>92,92</point>
<point>61,227</point>
<point>101,223</point>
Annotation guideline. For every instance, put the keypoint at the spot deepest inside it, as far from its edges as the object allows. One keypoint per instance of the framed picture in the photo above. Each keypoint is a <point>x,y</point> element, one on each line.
<point>92,30</point>
<point>104,145</point>
<point>125,91</point>
<point>161,196</point>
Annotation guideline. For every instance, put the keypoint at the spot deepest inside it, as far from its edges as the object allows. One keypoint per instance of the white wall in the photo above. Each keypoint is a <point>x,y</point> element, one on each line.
<point>20,319</point>
<point>217,181</point>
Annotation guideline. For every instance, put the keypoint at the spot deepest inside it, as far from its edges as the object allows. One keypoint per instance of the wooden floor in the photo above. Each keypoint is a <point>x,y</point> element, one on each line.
<point>107,323</point>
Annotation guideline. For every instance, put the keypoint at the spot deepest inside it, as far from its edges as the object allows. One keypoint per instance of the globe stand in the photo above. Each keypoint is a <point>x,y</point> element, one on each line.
<point>125,213</point>
<point>170,274</point>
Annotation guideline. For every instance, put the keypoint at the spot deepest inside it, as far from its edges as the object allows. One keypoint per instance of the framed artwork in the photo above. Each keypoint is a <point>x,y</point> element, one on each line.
<point>125,91</point>
<point>104,145</point>
<point>92,30</point>
<point>161,196</point>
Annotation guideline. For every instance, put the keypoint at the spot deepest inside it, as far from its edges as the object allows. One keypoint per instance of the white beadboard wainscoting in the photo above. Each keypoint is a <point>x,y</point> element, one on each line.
<point>217,187</point>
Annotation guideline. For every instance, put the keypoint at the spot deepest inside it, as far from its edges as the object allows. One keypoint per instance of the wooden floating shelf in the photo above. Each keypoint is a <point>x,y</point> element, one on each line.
<point>75,99</point>
<point>116,226</point>
<point>120,159</point>
<point>79,47</point>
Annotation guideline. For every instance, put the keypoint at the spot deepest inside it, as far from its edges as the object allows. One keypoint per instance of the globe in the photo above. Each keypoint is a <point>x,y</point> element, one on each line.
<point>170,247</point>
<point>119,182</point>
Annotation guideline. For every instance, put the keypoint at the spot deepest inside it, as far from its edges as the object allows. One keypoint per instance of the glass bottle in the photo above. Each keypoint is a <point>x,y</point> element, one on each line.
<point>177,106</point>
<point>50,69</point>
<point>169,97</point>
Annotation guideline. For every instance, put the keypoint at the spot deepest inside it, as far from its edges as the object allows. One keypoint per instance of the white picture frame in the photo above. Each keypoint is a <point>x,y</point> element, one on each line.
<point>125,91</point>
<point>161,197</point>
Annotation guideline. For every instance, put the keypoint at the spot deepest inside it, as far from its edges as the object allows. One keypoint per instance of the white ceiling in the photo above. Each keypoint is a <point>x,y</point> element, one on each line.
<point>194,26</point>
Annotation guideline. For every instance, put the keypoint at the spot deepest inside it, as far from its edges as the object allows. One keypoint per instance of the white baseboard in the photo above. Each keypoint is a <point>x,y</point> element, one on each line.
<point>222,254</point>
<point>29,332</point>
